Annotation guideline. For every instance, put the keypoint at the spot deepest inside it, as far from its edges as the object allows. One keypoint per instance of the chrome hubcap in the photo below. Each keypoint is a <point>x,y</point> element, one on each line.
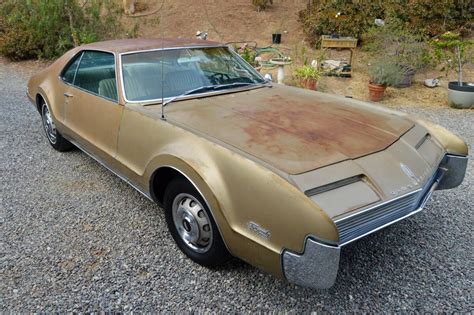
<point>48,125</point>
<point>192,223</point>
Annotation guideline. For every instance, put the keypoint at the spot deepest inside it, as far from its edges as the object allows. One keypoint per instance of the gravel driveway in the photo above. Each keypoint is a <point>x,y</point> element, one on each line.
<point>75,237</point>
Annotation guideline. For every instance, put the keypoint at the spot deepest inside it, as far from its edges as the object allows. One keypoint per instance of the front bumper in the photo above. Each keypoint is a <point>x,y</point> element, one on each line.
<point>316,267</point>
<point>318,264</point>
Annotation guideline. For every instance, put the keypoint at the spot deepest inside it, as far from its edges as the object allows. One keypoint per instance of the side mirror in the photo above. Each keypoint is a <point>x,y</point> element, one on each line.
<point>268,77</point>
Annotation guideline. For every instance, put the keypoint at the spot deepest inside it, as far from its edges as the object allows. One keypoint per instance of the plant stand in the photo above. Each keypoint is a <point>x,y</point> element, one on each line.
<point>349,43</point>
<point>281,63</point>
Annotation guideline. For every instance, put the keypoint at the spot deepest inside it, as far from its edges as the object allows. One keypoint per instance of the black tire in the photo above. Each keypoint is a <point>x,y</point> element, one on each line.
<point>55,139</point>
<point>216,253</point>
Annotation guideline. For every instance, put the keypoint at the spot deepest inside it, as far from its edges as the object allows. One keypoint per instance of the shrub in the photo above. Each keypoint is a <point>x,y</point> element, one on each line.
<point>353,18</point>
<point>46,29</point>
<point>385,72</point>
<point>395,40</point>
<point>248,54</point>
<point>327,17</point>
<point>307,72</point>
<point>261,4</point>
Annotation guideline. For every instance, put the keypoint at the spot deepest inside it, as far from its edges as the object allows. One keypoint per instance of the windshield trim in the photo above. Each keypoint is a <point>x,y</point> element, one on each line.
<point>179,98</point>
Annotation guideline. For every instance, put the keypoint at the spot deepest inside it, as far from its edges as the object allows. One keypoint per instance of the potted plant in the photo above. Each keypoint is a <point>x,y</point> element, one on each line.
<point>308,76</point>
<point>451,49</point>
<point>409,50</point>
<point>250,55</point>
<point>383,73</point>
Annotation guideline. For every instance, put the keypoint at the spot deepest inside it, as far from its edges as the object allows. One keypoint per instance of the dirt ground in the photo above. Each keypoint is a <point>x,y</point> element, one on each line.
<point>237,20</point>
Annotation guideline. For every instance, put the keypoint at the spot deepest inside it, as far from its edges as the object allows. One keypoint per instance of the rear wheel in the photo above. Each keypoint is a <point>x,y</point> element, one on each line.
<point>56,140</point>
<point>192,226</point>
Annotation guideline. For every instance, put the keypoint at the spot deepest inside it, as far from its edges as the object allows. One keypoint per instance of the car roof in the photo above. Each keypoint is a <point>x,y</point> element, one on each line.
<point>138,44</point>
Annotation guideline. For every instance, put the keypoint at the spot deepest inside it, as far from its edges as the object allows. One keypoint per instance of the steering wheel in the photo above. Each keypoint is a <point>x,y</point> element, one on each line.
<point>219,78</point>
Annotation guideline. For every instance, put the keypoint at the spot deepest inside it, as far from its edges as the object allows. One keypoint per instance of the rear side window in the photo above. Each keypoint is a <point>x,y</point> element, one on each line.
<point>70,71</point>
<point>96,74</point>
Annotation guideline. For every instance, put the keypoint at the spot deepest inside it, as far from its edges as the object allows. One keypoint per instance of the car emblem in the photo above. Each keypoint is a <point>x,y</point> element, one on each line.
<point>252,226</point>
<point>408,172</point>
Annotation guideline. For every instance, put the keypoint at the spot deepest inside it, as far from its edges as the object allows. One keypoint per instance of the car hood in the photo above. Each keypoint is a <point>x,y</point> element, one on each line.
<point>293,130</point>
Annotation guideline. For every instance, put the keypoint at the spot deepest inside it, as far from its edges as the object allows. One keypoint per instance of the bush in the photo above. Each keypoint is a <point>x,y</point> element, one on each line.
<point>261,4</point>
<point>307,72</point>
<point>47,29</point>
<point>248,54</point>
<point>386,72</point>
<point>395,40</point>
<point>327,17</point>
<point>353,18</point>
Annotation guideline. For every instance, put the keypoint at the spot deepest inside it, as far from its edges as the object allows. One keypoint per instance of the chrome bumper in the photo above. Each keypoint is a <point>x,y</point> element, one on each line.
<point>455,169</point>
<point>318,265</point>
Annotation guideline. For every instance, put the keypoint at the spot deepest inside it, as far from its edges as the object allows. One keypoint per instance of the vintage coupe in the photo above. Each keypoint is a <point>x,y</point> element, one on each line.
<point>278,176</point>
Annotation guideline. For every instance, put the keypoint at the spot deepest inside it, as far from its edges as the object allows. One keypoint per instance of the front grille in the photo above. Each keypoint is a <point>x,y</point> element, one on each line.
<point>365,221</point>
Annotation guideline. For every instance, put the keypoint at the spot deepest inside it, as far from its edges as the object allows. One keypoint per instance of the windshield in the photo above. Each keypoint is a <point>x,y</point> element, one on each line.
<point>183,70</point>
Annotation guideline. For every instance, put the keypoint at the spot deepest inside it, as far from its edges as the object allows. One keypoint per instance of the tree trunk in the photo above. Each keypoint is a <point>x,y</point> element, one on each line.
<point>458,57</point>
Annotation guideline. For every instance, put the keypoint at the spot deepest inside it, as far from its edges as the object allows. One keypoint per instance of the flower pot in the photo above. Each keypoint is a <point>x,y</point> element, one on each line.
<point>461,96</point>
<point>276,38</point>
<point>407,78</point>
<point>376,92</point>
<point>310,84</point>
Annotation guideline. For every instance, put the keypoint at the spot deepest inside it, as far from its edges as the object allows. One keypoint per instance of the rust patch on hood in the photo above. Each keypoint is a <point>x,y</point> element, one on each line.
<point>328,126</point>
<point>291,129</point>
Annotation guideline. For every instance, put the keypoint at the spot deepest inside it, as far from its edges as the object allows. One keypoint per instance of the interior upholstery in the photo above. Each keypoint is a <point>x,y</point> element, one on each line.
<point>182,81</point>
<point>108,88</point>
<point>142,81</point>
<point>89,78</point>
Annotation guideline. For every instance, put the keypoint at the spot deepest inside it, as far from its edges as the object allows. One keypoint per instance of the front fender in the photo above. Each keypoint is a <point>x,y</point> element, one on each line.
<point>452,143</point>
<point>258,212</point>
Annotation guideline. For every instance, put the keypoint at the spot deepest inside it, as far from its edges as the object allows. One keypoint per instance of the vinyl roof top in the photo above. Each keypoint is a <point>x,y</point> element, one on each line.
<point>127,45</point>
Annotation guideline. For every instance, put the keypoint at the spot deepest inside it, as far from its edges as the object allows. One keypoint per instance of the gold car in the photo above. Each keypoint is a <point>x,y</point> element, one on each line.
<point>278,176</point>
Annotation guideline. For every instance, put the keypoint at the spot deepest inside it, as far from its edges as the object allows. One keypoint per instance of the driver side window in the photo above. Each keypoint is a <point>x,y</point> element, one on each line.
<point>96,74</point>
<point>69,72</point>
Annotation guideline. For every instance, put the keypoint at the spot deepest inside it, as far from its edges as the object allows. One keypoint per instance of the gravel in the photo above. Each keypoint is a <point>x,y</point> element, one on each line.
<point>76,238</point>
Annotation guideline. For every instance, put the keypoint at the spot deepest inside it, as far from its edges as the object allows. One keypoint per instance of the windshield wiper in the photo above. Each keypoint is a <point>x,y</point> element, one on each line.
<point>206,88</point>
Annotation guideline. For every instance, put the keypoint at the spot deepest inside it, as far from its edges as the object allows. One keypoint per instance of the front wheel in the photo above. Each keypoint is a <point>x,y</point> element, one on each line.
<point>192,226</point>
<point>56,140</point>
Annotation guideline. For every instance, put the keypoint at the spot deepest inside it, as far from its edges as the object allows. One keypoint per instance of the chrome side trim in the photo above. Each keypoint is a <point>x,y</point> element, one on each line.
<point>455,167</point>
<point>98,160</point>
<point>202,195</point>
<point>316,267</point>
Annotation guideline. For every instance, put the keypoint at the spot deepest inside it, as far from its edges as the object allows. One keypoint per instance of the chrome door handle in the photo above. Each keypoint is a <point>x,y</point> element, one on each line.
<point>68,94</point>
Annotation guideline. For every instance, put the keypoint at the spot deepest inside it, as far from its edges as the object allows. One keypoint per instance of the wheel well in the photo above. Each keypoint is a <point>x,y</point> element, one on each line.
<point>39,100</point>
<point>160,180</point>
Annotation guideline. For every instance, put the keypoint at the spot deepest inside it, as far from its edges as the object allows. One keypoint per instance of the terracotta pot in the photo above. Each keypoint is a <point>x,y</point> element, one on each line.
<point>376,92</point>
<point>310,84</point>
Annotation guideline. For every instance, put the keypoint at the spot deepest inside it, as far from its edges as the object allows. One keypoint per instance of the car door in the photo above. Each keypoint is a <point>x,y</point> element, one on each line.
<point>92,110</point>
